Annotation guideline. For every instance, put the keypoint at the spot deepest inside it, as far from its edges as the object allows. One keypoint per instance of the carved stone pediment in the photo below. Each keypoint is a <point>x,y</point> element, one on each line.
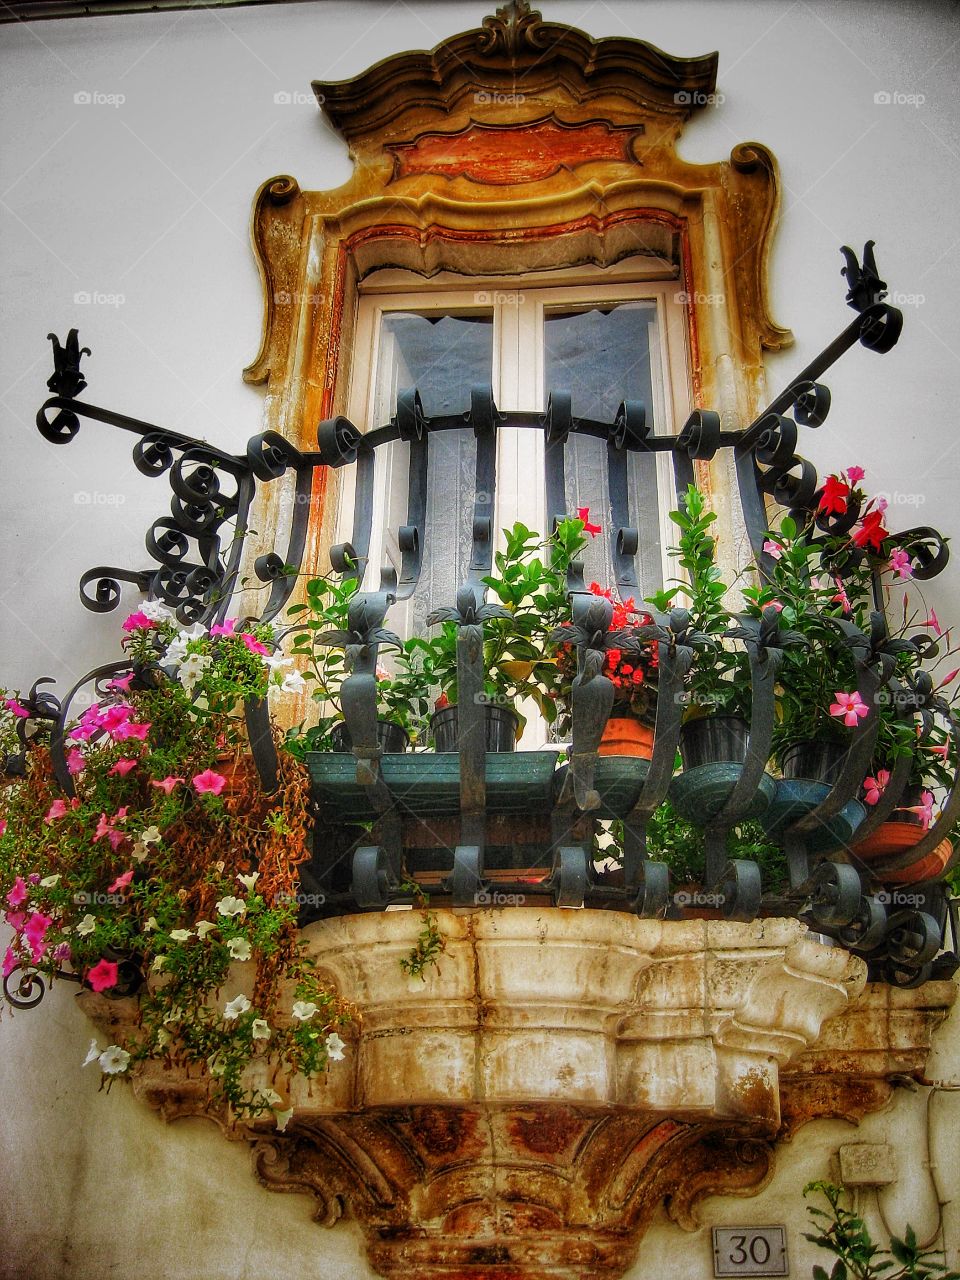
<point>525,1110</point>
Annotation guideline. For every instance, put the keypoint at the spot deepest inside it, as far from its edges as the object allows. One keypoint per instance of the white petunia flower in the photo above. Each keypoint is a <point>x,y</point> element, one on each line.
<point>192,668</point>
<point>159,962</point>
<point>49,881</point>
<point>283,1119</point>
<point>150,924</point>
<point>231,906</point>
<point>304,1010</point>
<point>335,1046</point>
<point>249,881</point>
<point>93,1053</point>
<point>113,1060</point>
<point>270,1097</point>
<point>239,949</point>
<point>239,1004</point>
<point>216,1065</point>
<point>293,682</point>
<point>163,1038</point>
<point>275,662</point>
<point>87,924</point>
<point>155,611</point>
<point>261,1029</point>
<point>204,927</point>
<point>181,935</point>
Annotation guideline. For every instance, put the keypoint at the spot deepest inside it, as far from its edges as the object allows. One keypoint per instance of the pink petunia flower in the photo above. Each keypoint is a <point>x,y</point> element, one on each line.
<point>128,730</point>
<point>901,565</point>
<point>226,628</point>
<point>121,882</point>
<point>103,975</point>
<point>123,767</point>
<point>35,931</point>
<point>57,810</point>
<point>138,622</point>
<point>3,826</point>
<point>17,708</point>
<point>848,708</point>
<point>167,784</point>
<point>61,953</point>
<point>875,787</point>
<point>855,474</point>
<point>121,683</point>
<point>114,717</point>
<point>254,645</point>
<point>773,549</point>
<point>583,513</point>
<point>10,962</point>
<point>16,919</point>
<point>18,894</point>
<point>209,783</point>
<point>75,762</point>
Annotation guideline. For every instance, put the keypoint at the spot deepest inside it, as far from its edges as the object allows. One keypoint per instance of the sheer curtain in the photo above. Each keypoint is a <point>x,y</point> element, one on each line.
<point>602,357</point>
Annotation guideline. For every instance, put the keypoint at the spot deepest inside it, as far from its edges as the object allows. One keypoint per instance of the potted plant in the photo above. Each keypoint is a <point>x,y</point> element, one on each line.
<point>530,588</point>
<point>681,845</point>
<point>319,633</point>
<point>148,880</point>
<point>716,727</point>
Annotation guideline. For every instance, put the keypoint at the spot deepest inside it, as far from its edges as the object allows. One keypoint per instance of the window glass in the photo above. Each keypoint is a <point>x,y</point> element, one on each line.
<point>602,356</point>
<point>443,356</point>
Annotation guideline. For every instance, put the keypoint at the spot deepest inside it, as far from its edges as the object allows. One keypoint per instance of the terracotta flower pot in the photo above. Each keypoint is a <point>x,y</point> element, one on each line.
<point>626,736</point>
<point>896,837</point>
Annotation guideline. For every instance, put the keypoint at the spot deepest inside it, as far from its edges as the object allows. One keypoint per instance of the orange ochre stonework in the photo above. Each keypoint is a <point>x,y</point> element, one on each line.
<point>526,153</point>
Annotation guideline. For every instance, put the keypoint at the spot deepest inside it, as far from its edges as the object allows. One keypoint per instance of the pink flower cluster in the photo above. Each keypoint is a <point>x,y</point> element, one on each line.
<point>115,721</point>
<point>31,926</point>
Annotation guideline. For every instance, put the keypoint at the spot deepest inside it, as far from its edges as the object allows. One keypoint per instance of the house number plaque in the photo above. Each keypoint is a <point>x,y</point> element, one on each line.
<point>750,1251</point>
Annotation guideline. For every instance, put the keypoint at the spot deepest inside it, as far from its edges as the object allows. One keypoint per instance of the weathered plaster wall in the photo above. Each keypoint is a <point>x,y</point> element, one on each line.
<point>149,199</point>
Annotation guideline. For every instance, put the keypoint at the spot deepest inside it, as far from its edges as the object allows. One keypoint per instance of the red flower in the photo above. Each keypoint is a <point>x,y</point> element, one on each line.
<point>583,513</point>
<point>871,532</point>
<point>834,496</point>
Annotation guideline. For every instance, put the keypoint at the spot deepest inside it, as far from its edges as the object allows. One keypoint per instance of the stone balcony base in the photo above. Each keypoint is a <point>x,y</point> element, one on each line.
<point>524,1111</point>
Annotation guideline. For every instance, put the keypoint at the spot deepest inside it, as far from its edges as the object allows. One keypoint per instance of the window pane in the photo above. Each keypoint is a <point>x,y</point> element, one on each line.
<point>602,357</point>
<point>443,356</point>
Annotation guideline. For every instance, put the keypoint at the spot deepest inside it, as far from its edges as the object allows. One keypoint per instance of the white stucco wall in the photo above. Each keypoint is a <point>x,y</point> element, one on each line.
<point>150,199</point>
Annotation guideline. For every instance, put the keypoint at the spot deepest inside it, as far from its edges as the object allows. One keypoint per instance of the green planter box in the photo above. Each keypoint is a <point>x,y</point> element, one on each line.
<point>427,783</point>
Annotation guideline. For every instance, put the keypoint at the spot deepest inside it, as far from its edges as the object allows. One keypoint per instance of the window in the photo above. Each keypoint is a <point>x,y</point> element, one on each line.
<point>602,336</point>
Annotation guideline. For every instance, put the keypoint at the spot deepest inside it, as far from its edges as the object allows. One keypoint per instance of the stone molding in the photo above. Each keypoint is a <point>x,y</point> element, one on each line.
<point>526,1110</point>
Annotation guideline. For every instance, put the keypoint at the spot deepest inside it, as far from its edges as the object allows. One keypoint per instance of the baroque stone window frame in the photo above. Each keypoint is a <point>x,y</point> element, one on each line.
<point>587,130</point>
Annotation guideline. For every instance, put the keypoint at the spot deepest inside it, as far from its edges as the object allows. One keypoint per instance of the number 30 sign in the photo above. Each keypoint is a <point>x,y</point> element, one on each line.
<point>750,1251</point>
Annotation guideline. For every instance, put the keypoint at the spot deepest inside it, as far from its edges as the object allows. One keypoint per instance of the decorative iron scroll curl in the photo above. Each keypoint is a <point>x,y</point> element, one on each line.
<point>197,564</point>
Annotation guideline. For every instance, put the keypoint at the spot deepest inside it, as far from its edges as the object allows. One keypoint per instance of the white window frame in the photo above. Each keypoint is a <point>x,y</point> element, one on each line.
<point>518,305</point>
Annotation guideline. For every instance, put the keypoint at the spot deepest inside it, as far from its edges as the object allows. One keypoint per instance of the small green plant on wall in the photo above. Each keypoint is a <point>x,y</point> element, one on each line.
<point>844,1234</point>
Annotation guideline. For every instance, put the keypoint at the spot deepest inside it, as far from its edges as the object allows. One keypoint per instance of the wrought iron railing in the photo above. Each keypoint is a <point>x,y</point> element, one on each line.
<point>482,809</point>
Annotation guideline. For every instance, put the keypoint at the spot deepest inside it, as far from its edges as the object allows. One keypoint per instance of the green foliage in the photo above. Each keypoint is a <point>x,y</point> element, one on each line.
<point>844,1234</point>
<point>719,678</point>
<point>430,943</point>
<point>682,846</point>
